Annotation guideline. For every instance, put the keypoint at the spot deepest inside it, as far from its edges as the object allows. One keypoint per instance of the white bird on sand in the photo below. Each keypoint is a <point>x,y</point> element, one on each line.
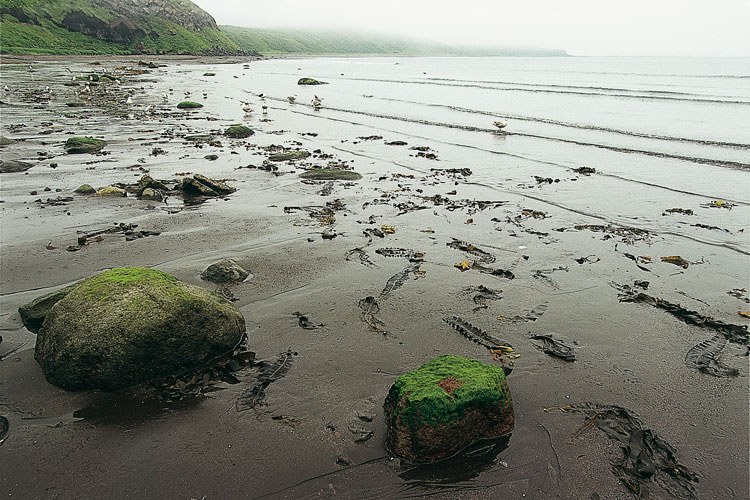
<point>316,102</point>
<point>291,99</point>
<point>501,124</point>
<point>6,89</point>
<point>129,101</point>
<point>246,107</point>
<point>265,109</point>
<point>164,96</point>
<point>87,88</point>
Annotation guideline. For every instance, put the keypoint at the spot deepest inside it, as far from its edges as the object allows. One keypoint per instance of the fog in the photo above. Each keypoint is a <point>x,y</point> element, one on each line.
<point>582,27</point>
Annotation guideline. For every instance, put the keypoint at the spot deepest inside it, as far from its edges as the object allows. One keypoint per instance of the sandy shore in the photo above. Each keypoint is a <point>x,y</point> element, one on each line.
<point>299,442</point>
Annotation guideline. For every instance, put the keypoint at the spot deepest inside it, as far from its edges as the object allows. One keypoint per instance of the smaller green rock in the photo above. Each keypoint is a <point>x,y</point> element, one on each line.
<point>85,189</point>
<point>81,145</point>
<point>291,155</point>
<point>331,174</point>
<point>209,74</point>
<point>75,104</point>
<point>189,105</point>
<point>310,81</point>
<point>238,132</point>
<point>5,141</point>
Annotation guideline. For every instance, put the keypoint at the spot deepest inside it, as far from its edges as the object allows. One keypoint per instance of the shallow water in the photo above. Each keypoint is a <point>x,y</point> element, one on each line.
<point>661,134</point>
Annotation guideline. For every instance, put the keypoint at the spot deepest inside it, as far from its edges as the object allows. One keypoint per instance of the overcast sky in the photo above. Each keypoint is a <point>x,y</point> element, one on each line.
<point>582,27</point>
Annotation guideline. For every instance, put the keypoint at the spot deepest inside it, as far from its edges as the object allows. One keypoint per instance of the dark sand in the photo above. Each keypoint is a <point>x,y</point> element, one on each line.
<point>133,444</point>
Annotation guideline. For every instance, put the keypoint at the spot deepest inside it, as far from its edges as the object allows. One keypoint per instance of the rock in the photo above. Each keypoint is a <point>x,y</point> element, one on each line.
<point>310,81</point>
<point>215,185</point>
<point>11,166</point>
<point>5,141</point>
<point>330,174</point>
<point>189,105</point>
<point>192,187</point>
<point>446,405</point>
<point>211,157</point>
<point>33,313</point>
<point>75,104</point>
<point>80,145</point>
<point>111,191</point>
<point>199,138</point>
<point>238,132</point>
<point>147,182</point>
<point>209,74</point>
<point>151,194</point>
<point>131,325</point>
<point>225,271</point>
<point>291,155</point>
<point>85,189</point>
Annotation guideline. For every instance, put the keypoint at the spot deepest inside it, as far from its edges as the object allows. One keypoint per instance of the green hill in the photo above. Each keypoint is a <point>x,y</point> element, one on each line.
<point>109,27</point>
<point>304,42</point>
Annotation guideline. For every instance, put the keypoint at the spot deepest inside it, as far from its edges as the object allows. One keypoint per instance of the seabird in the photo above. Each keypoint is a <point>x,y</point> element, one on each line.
<point>501,124</point>
<point>129,101</point>
<point>291,99</point>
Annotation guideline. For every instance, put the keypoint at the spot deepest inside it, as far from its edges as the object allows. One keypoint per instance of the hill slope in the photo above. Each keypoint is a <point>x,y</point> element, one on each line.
<point>110,27</point>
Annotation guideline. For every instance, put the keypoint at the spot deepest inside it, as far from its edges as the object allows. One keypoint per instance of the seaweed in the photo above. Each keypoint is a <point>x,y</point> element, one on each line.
<point>627,235</point>
<point>370,308</point>
<point>267,374</point>
<point>733,333</point>
<point>363,258</point>
<point>646,459</point>
<point>472,250</point>
<point>704,357</point>
<point>484,294</point>
<point>305,322</point>
<point>501,350</point>
<point>410,255</point>
<point>397,280</point>
<point>554,347</point>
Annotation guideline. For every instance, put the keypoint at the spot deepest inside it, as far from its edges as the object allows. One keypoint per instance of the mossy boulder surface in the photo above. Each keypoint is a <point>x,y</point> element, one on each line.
<point>310,81</point>
<point>85,189</point>
<point>127,326</point>
<point>446,405</point>
<point>81,145</point>
<point>189,105</point>
<point>290,155</point>
<point>331,174</point>
<point>238,132</point>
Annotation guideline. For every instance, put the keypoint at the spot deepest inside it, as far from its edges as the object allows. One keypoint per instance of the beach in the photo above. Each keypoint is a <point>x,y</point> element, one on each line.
<point>503,229</point>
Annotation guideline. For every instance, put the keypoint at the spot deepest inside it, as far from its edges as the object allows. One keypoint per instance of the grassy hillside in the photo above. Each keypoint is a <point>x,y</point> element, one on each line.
<point>104,27</point>
<point>275,42</point>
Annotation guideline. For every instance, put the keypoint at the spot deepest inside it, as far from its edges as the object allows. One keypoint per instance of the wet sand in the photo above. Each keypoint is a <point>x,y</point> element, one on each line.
<point>299,442</point>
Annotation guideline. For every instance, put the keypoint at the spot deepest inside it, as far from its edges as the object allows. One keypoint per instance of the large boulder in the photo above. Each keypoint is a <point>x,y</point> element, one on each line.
<point>127,326</point>
<point>446,405</point>
<point>11,166</point>
<point>82,145</point>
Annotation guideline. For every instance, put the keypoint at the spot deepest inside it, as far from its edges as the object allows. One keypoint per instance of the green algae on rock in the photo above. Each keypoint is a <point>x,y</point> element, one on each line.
<point>189,105</point>
<point>85,189</point>
<point>331,174</point>
<point>81,145</point>
<point>446,405</point>
<point>127,326</point>
<point>290,155</point>
<point>238,132</point>
<point>111,191</point>
<point>310,81</point>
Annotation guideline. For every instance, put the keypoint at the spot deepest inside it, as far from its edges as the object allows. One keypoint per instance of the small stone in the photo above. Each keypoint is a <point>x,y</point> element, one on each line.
<point>151,194</point>
<point>225,271</point>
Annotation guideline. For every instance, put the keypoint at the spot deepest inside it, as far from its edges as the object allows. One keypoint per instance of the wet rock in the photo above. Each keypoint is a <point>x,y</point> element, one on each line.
<point>33,313</point>
<point>238,132</point>
<point>131,325</point>
<point>214,185</point>
<point>330,174</point>
<point>446,405</point>
<point>192,187</point>
<point>209,74</point>
<point>148,182</point>
<point>82,145</point>
<point>310,81</point>
<point>11,166</point>
<point>111,191</point>
<point>291,155</point>
<point>211,157</point>
<point>5,141</point>
<point>152,194</point>
<point>85,189</point>
<point>225,271</point>
<point>189,105</point>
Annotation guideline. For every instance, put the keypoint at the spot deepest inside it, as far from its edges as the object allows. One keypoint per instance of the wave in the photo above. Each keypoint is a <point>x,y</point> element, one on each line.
<point>550,91</point>
<point>549,121</point>
<point>618,149</point>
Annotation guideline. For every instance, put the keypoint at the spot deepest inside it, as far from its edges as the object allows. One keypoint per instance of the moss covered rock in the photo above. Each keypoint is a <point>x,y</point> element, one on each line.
<point>331,174</point>
<point>85,189</point>
<point>111,191</point>
<point>238,132</point>
<point>80,145</point>
<point>290,155</point>
<point>310,81</point>
<point>131,325</point>
<point>446,405</point>
<point>33,313</point>
<point>189,105</point>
